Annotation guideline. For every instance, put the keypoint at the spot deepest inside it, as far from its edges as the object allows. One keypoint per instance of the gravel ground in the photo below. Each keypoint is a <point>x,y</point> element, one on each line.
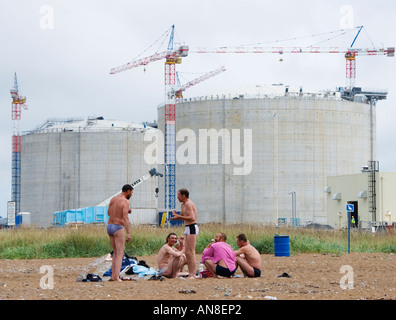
<point>312,277</point>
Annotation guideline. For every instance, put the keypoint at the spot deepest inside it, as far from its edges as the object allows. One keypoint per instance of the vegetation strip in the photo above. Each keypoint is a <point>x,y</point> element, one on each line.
<point>92,240</point>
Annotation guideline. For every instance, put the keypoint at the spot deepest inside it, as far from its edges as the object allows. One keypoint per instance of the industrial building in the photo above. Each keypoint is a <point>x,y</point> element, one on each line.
<point>298,139</point>
<point>371,193</point>
<point>257,155</point>
<point>249,156</point>
<point>77,163</point>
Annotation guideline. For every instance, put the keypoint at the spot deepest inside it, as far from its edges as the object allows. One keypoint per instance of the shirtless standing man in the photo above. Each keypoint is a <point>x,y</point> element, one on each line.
<point>188,213</point>
<point>118,220</point>
<point>248,258</point>
<point>170,260</point>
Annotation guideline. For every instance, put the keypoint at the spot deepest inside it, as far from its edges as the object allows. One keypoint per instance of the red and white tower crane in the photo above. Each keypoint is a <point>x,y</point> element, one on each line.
<point>172,57</point>
<point>349,53</point>
<point>173,94</point>
<point>18,103</point>
<point>206,76</point>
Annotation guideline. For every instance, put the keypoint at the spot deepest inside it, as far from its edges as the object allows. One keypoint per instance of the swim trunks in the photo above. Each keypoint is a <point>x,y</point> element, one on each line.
<point>224,272</point>
<point>161,271</point>
<point>113,228</point>
<point>191,229</point>
<point>257,273</point>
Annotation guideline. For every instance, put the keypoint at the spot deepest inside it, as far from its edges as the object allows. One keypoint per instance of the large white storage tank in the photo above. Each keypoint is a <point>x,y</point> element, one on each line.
<point>77,163</point>
<point>297,141</point>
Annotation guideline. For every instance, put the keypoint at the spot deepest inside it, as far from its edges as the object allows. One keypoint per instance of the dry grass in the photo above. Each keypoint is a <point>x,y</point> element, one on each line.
<point>92,240</point>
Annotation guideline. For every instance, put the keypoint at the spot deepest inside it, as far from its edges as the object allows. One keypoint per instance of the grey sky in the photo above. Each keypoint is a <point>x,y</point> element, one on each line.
<point>64,71</point>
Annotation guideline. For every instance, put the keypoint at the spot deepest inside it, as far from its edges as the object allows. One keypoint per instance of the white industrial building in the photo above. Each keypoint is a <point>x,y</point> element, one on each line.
<point>76,163</point>
<point>289,142</point>
<point>244,156</point>
<point>372,194</point>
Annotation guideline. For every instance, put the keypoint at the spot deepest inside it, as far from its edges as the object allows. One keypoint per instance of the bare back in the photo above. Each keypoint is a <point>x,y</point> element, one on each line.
<point>118,211</point>
<point>252,256</point>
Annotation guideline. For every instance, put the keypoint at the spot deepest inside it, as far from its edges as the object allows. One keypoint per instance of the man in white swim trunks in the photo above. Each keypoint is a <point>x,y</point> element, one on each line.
<point>188,213</point>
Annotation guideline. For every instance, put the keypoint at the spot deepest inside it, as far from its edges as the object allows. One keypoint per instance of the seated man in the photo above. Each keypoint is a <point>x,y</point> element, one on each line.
<point>248,258</point>
<point>170,261</point>
<point>219,258</point>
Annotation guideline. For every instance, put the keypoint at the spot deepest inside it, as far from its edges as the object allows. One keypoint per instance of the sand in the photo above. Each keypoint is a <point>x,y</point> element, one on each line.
<point>312,277</point>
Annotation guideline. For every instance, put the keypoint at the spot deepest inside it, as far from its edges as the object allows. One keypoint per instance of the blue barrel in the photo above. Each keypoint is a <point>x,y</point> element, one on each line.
<point>282,246</point>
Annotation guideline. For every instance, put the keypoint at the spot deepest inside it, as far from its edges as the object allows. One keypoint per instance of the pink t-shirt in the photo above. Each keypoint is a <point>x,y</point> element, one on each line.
<point>220,251</point>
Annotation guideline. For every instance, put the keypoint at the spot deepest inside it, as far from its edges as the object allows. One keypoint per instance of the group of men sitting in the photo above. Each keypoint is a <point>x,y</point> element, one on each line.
<point>218,257</point>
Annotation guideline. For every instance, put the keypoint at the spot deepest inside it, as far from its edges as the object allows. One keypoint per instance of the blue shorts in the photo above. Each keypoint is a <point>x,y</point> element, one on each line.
<point>113,228</point>
<point>161,271</point>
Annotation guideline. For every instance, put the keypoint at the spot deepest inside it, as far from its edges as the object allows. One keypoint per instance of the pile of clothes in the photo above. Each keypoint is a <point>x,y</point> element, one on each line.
<point>132,266</point>
<point>92,277</point>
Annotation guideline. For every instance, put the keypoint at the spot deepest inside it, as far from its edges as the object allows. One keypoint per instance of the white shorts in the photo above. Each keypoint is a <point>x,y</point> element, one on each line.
<point>191,229</point>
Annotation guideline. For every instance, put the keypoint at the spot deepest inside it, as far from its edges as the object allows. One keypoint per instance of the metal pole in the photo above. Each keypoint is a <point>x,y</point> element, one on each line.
<point>293,193</point>
<point>349,232</point>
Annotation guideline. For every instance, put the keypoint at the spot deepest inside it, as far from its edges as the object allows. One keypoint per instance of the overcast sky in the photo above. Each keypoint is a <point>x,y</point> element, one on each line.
<point>63,51</point>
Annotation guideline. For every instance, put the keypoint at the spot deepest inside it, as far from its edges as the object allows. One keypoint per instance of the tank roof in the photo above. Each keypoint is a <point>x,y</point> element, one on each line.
<point>272,91</point>
<point>94,124</point>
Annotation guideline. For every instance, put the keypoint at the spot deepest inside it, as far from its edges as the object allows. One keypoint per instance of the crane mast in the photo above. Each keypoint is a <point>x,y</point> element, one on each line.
<point>172,57</point>
<point>18,103</point>
<point>170,133</point>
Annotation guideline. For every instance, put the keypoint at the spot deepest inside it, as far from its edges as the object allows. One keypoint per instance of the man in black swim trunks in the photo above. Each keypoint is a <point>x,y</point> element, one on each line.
<point>248,258</point>
<point>188,213</point>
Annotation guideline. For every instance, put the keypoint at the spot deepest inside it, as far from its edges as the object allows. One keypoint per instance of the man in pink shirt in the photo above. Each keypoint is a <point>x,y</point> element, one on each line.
<point>219,257</point>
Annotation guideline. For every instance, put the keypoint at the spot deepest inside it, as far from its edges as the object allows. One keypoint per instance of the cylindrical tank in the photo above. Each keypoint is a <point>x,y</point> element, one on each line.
<point>286,143</point>
<point>71,164</point>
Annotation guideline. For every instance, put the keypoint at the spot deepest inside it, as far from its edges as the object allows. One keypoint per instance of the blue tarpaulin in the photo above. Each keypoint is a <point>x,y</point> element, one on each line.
<point>82,215</point>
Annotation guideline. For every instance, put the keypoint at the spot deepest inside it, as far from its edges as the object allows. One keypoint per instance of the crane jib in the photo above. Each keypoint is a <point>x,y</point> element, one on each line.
<point>139,181</point>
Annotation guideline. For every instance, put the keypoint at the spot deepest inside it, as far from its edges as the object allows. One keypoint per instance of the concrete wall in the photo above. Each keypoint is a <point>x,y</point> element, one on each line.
<point>70,170</point>
<point>296,144</point>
